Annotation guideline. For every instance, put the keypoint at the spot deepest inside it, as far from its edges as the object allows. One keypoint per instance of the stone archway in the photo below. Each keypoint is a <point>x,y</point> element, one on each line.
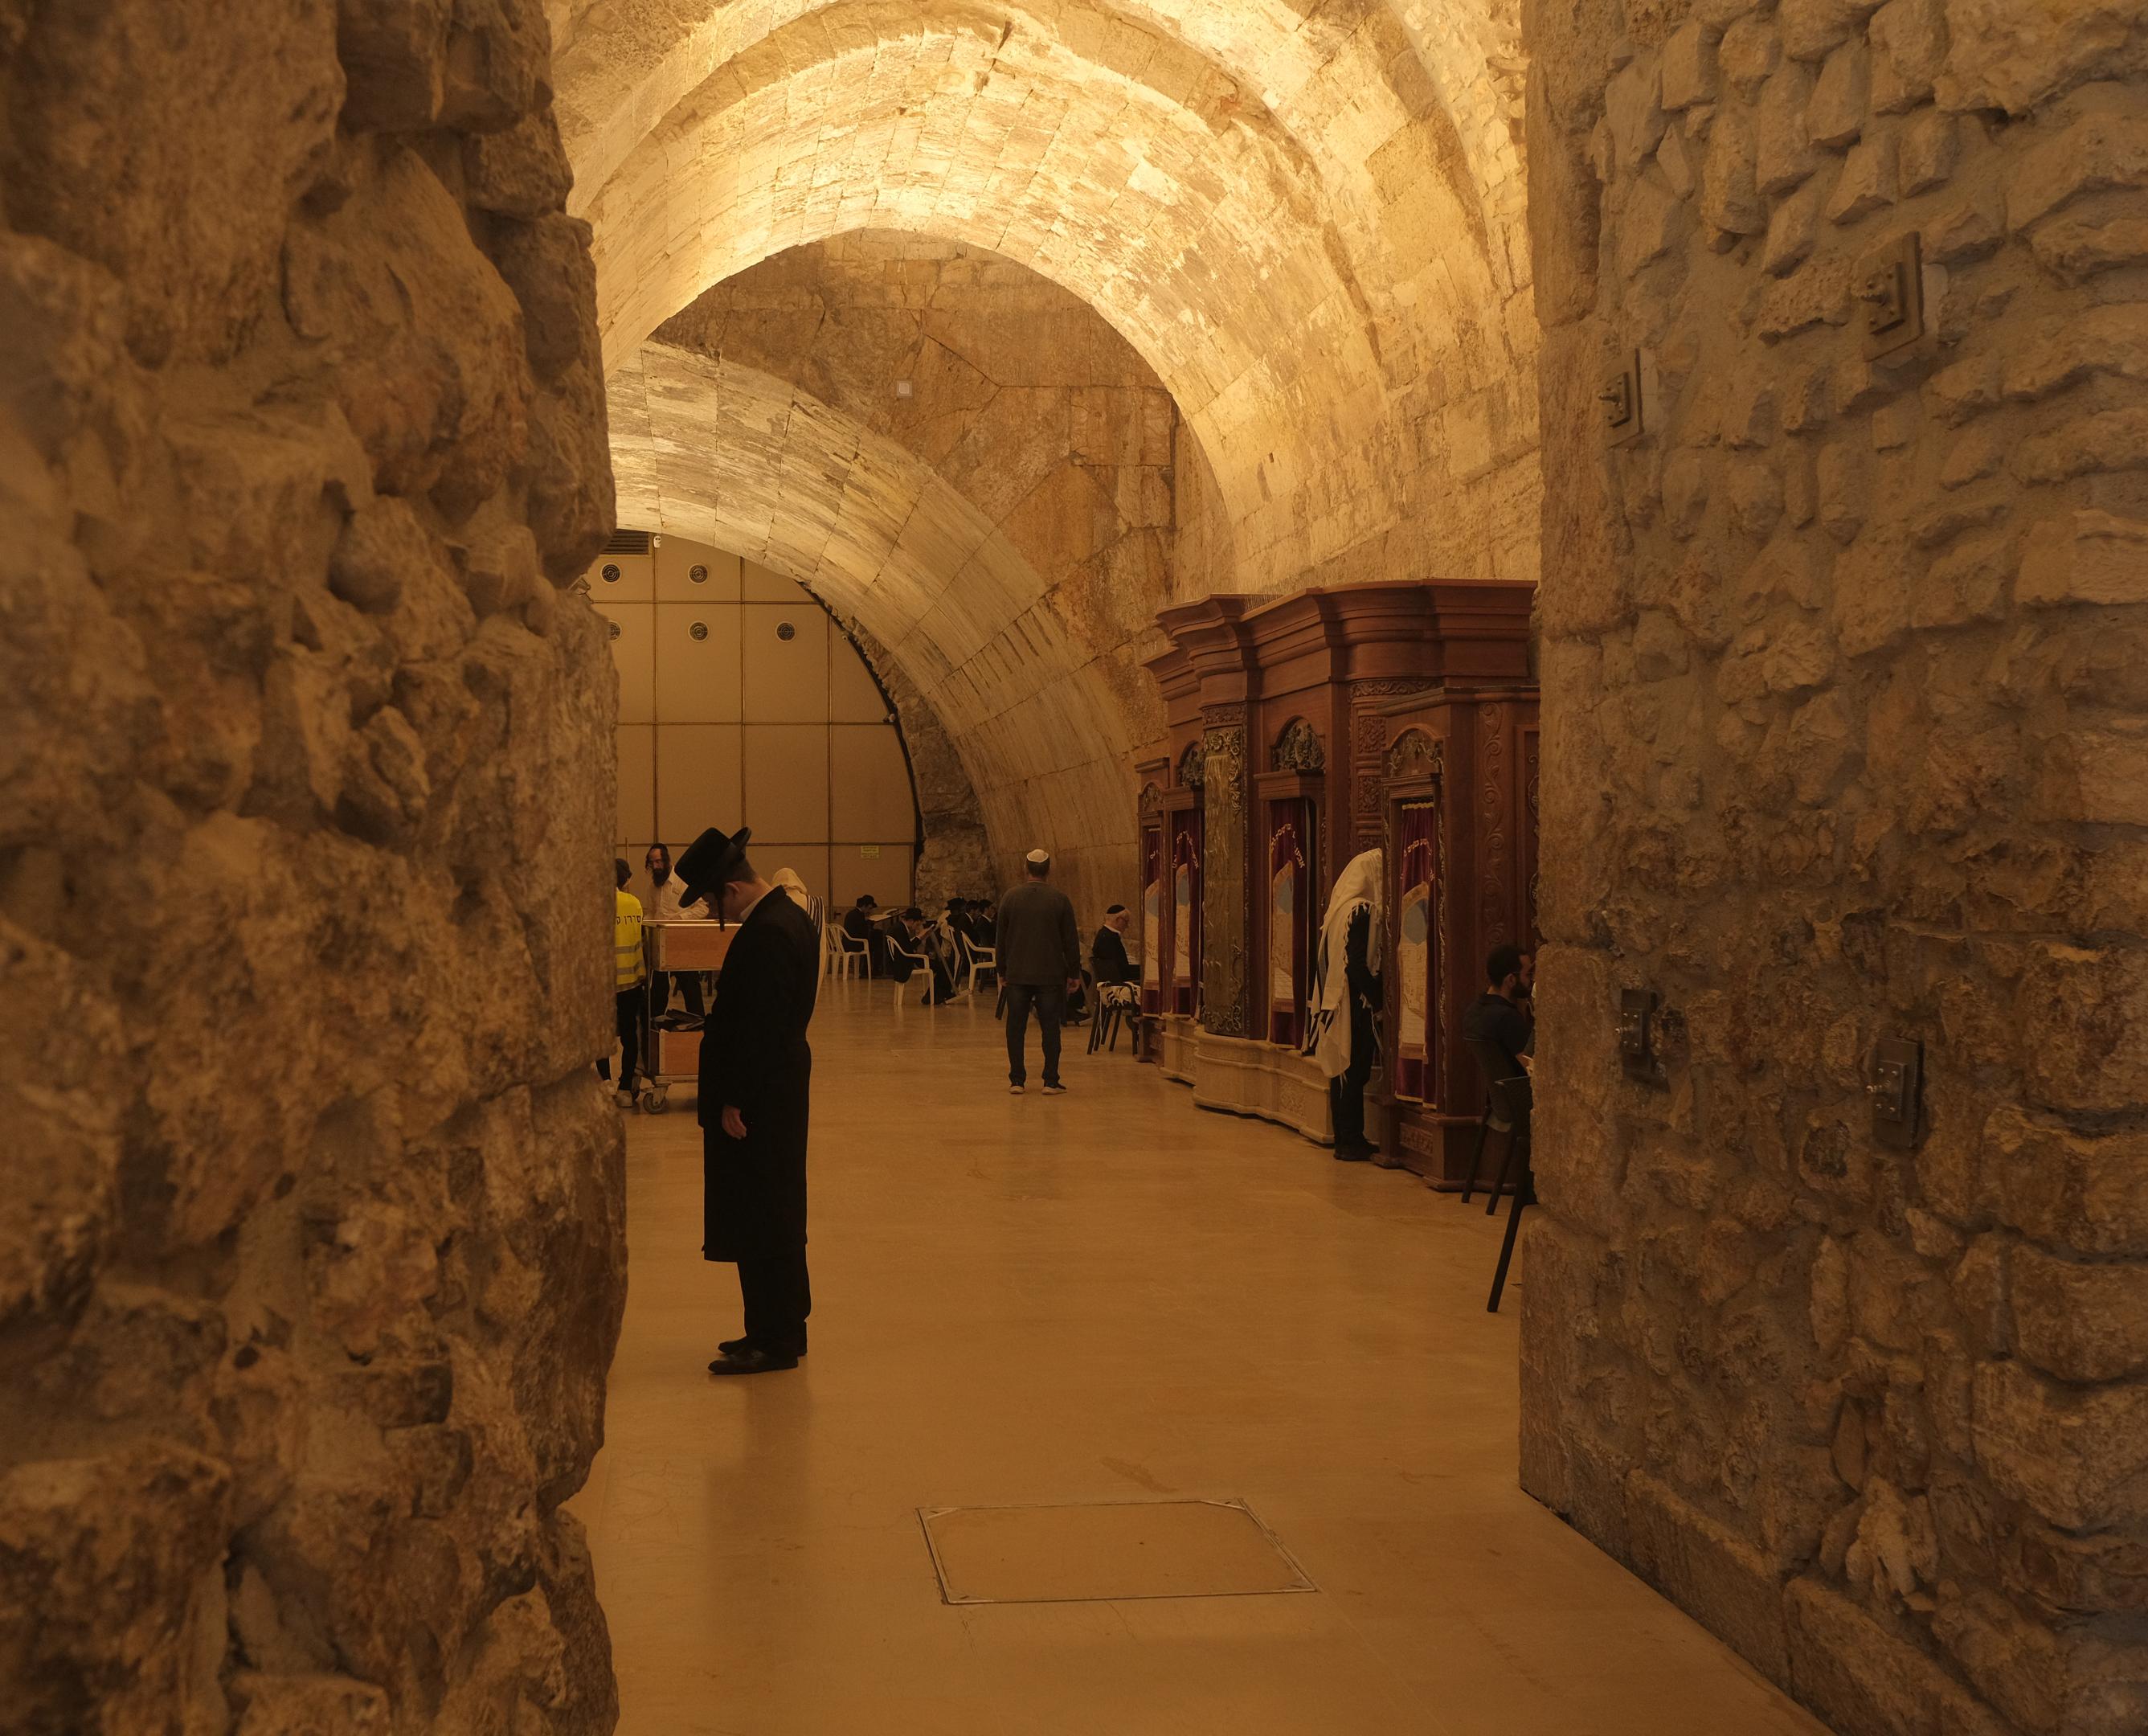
<point>310,1290</point>
<point>726,454</point>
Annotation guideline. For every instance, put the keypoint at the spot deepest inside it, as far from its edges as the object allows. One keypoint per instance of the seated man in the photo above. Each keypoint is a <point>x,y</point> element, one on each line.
<point>1496,1017</point>
<point>916,935</point>
<point>1108,962</point>
<point>858,924</point>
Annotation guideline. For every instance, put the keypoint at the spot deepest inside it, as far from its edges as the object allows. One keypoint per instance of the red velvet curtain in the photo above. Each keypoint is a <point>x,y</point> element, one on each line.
<point>1290,897</point>
<point>1417,951</point>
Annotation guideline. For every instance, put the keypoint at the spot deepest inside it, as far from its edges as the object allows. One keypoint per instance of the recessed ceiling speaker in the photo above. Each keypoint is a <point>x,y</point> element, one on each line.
<point>610,574</point>
<point>785,632</point>
<point>700,575</point>
<point>699,629</point>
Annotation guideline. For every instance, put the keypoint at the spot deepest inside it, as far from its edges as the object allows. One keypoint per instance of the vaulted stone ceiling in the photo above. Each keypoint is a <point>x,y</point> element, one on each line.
<point>727,455</point>
<point>1308,225</point>
<point>1311,226</point>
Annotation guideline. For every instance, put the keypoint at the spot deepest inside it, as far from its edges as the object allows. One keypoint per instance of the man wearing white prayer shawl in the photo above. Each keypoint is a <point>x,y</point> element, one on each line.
<point>1347,988</point>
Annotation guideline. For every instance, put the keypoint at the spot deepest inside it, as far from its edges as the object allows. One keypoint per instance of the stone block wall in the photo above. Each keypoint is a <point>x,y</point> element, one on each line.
<point>1845,663</point>
<point>310,1251</point>
<point>957,860</point>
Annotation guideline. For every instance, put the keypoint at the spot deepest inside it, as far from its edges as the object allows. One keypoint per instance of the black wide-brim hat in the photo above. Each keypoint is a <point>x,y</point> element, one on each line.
<point>704,863</point>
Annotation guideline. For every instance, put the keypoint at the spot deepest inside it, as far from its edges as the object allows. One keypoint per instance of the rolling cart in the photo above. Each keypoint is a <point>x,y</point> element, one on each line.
<point>674,1057</point>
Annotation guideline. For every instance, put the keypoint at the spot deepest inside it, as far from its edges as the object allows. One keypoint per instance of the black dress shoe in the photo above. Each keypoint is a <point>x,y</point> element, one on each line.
<point>1352,1154</point>
<point>750,1361</point>
<point>732,1347</point>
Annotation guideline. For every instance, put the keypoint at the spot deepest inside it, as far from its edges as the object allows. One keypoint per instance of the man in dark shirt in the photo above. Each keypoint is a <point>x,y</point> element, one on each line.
<point>1496,1016</point>
<point>1039,954</point>
<point>1108,962</point>
<point>858,924</point>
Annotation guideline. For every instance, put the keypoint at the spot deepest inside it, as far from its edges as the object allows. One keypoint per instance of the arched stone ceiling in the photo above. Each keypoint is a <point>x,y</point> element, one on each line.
<point>729,455</point>
<point>1308,225</point>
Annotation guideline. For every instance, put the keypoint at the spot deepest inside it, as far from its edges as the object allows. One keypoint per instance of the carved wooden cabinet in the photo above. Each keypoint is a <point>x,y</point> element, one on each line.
<point>1456,794</point>
<point>1283,717</point>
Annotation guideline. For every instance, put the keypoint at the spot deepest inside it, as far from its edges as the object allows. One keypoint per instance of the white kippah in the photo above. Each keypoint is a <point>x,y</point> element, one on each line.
<point>1039,855</point>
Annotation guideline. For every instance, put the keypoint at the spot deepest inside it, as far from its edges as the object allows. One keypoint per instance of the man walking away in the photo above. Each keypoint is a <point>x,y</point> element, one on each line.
<point>1039,955</point>
<point>757,1078</point>
<point>629,981</point>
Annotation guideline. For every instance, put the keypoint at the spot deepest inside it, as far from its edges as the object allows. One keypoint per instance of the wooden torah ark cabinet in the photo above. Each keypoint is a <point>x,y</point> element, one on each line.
<point>1301,731</point>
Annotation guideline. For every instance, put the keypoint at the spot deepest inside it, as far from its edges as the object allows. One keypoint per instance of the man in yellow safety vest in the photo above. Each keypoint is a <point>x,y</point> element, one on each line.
<point>630,975</point>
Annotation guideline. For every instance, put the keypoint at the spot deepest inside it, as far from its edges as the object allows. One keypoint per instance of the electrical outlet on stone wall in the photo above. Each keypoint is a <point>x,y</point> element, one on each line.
<point>1897,1091</point>
<point>1890,285</point>
<point>1626,395</point>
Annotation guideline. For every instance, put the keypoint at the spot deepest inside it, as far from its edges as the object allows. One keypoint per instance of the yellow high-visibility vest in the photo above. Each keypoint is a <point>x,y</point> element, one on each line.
<point>627,969</point>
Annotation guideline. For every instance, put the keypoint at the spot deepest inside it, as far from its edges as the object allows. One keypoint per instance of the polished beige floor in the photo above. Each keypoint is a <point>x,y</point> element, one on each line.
<point>1103,1296</point>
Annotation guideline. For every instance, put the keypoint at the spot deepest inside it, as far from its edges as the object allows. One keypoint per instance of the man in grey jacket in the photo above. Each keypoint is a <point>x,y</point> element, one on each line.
<point>1040,961</point>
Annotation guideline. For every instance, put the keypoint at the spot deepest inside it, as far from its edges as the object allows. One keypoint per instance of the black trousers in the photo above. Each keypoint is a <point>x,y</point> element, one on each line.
<point>633,1010</point>
<point>1049,1000</point>
<point>1345,1095</point>
<point>778,1295</point>
<point>689,985</point>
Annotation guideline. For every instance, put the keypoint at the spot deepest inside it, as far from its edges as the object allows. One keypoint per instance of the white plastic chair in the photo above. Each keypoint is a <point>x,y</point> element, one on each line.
<point>850,956</point>
<point>897,949</point>
<point>982,958</point>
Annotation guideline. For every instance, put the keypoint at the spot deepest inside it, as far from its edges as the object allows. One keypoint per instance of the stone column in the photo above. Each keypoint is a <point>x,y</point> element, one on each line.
<point>311,1252</point>
<point>1224,870</point>
<point>1843,679</point>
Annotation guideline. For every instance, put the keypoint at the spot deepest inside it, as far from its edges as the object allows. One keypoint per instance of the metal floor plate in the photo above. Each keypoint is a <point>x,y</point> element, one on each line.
<point>1105,1552</point>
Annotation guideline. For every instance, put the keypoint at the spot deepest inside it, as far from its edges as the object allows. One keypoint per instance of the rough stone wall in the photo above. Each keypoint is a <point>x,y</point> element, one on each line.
<point>1843,669</point>
<point>310,1251</point>
<point>957,860</point>
<point>1026,402</point>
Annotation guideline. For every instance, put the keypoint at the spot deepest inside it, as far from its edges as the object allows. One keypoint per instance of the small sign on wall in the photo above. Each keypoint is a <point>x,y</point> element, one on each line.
<point>870,851</point>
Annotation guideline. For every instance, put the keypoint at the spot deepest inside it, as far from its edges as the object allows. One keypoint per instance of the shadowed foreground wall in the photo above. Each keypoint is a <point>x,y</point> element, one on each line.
<point>1844,674</point>
<point>310,1251</point>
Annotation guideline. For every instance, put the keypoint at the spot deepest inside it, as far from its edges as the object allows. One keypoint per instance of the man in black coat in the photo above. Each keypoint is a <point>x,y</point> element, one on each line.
<point>859,925</point>
<point>1108,962</point>
<point>756,1077</point>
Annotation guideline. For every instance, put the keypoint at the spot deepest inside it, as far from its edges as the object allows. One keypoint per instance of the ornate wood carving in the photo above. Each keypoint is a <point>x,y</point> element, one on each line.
<point>1368,736</point>
<point>1532,833</point>
<point>1415,757</point>
<point>1298,750</point>
<point>1223,913</point>
<point>1368,729</point>
<point>1151,802</point>
<point>1420,1139</point>
<point>1192,766</point>
<point>1494,821</point>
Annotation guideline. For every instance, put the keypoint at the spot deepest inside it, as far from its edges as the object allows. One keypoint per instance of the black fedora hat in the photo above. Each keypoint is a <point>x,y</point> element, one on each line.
<point>704,863</point>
